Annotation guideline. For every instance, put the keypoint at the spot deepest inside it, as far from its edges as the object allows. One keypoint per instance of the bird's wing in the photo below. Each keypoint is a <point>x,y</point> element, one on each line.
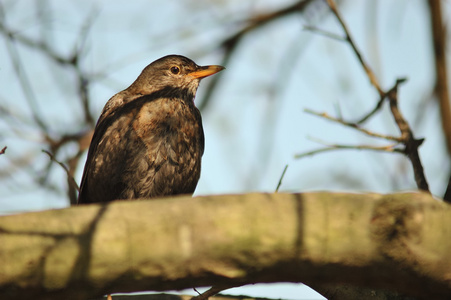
<point>106,140</point>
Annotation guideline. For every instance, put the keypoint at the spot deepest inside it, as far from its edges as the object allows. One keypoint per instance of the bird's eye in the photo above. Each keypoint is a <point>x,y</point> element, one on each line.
<point>175,70</point>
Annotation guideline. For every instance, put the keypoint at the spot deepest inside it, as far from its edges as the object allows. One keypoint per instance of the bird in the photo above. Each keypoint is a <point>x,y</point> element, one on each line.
<point>149,140</point>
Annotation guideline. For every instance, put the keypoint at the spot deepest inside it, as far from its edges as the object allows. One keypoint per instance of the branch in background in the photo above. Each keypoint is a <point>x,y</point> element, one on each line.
<point>330,147</point>
<point>371,76</point>
<point>325,33</point>
<point>365,66</point>
<point>230,44</point>
<point>25,83</point>
<point>176,296</point>
<point>3,150</point>
<point>73,190</point>
<point>441,74</point>
<point>373,111</point>
<point>356,126</point>
<point>69,176</point>
<point>214,290</point>
<point>83,81</point>
<point>73,61</point>
<point>82,139</point>
<point>38,45</point>
<point>441,88</point>
<point>407,138</point>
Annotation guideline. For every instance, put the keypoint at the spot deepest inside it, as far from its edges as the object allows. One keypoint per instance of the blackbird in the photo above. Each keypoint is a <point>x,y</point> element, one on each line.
<point>149,139</point>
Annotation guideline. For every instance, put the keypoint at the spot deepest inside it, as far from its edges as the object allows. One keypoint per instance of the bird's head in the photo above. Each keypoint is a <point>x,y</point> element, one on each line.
<point>172,72</point>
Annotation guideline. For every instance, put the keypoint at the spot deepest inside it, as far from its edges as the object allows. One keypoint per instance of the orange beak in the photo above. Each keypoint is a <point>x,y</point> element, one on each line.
<point>206,71</point>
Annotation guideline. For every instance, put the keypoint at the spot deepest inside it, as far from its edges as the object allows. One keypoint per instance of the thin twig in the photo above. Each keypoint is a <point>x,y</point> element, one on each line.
<point>69,176</point>
<point>213,291</point>
<point>25,83</point>
<point>353,125</point>
<point>348,38</point>
<point>331,147</point>
<point>79,46</point>
<point>39,45</point>
<point>281,178</point>
<point>3,150</point>
<point>72,60</point>
<point>83,81</point>
<point>373,111</point>
<point>338,111</point>
<point>325,33</point>
<point>366,67</point>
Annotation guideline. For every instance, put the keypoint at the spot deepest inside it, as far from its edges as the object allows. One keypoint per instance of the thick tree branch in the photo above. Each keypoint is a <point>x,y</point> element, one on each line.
<point>183,242</point>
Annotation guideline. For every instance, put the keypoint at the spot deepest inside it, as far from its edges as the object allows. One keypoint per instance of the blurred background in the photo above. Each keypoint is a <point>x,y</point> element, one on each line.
<point>62,60</point>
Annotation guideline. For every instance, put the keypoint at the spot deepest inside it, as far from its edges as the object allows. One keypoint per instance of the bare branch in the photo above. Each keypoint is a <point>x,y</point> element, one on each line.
<point>366,67</point>
<point>439,35</point>
<point>72,60</point>
<point>353,125</point>
<point>325,33</point>
<point>330,147</point>
<point>25,83</point>
<point>69,176</point>
<point>411,144</point>
<point>3,150</point>
<point>213,291</point>
<point>229,44</point>
<point>372,112</point>
<point>83,81</point>
<point>407,137</point>
<point>39,45</point>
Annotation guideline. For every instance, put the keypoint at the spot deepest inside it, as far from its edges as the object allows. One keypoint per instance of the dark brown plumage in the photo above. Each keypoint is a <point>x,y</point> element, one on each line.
<point>149,138</point>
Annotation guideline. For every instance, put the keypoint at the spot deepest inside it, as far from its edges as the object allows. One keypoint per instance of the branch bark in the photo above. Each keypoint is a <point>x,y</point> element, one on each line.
<point>411,143</point>
<point>392,242</point>
<point>441,74</point>
<point>439,36</point>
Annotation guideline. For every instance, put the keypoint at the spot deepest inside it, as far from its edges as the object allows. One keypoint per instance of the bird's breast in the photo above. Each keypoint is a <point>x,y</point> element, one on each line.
<point>171,124</point>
